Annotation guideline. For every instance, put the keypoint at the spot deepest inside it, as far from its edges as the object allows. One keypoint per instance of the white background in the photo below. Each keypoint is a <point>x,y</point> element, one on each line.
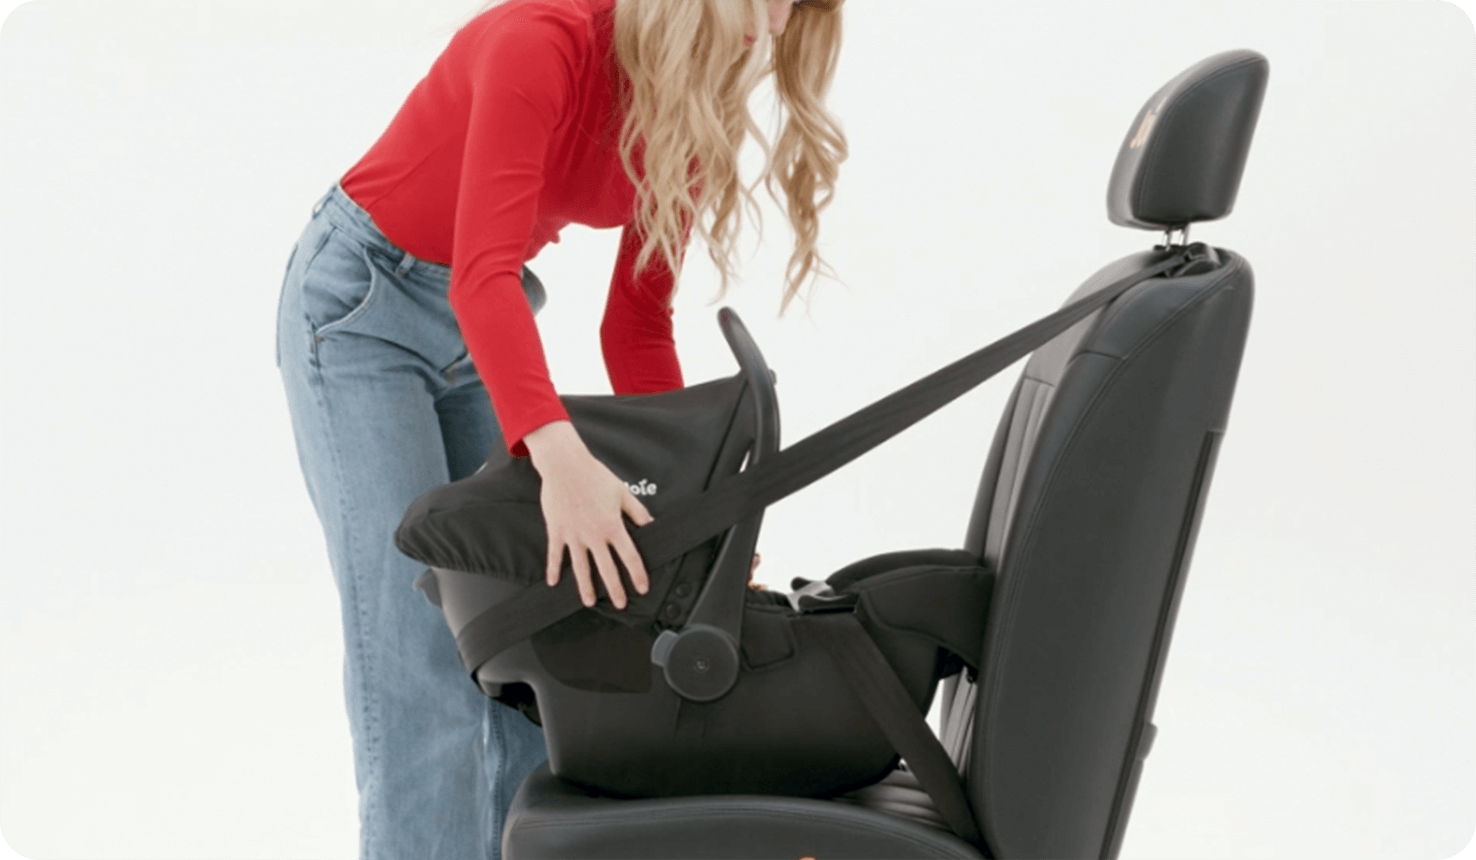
<point>169,640</point>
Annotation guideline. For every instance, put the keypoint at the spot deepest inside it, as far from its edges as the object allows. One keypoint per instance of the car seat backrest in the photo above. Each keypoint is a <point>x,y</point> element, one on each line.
<point>1093,488</point>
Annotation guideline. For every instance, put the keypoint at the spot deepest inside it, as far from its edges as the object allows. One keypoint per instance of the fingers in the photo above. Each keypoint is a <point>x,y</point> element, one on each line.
<point>626,547</point>
<point>631,558</point>
<point>579,561</point>
<point>635,510</point>
<point>605,566</point>
<point>554,562</point>
<point>578,521</point>
<point>609,573</point>
<point>610,576</point>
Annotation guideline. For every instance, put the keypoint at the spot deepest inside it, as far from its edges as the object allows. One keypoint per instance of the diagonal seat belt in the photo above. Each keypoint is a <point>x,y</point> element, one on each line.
<point>738,497</point>
<point>876,684</point>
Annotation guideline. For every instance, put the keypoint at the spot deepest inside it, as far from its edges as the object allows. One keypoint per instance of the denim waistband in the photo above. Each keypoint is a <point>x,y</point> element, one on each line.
<point>349,217</point>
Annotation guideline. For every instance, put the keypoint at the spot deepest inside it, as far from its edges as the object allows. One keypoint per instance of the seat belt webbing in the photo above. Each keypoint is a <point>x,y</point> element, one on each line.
<point>876,684</point>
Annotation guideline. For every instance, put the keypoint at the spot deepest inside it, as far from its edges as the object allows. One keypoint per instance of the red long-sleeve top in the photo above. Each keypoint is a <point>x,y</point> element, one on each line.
<point>511,136</point>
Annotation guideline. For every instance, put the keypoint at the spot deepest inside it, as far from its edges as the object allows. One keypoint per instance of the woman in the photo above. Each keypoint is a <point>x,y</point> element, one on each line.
<point>407,308</point>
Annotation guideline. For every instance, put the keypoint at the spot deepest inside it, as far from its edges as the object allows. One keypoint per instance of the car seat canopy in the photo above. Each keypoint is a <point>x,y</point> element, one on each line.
<point>665,449</point>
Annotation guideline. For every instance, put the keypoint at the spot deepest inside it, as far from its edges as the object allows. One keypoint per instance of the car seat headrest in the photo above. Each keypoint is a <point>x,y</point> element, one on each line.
<point>1183,157</point>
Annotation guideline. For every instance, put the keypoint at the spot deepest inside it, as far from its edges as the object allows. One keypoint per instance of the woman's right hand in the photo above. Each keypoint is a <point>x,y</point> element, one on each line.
<point>582,504</point>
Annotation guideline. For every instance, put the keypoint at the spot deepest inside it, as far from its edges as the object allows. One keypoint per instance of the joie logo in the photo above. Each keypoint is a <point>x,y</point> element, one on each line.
<point>1147,127</point>
<point>644,488</point>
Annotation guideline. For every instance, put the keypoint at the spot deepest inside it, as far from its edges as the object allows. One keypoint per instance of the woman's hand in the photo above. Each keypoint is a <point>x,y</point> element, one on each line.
<point>582,505</point>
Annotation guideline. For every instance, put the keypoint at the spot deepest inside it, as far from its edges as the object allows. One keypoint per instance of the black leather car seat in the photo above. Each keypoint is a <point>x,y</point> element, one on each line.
<point>1087,511</point>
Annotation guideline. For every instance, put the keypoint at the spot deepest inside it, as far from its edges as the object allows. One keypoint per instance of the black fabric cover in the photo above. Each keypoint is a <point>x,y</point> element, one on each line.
<point>665,446</point>
<point>1185,153</point>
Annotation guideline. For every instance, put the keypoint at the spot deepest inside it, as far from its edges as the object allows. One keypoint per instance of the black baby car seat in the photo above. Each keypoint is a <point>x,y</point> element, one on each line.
<point>1059,604</point>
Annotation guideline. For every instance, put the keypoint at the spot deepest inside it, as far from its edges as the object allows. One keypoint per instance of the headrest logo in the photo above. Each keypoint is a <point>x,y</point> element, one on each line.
<point>1147,127</point>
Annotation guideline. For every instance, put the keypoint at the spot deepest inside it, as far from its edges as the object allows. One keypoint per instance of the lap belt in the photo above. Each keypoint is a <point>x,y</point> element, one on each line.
<point>875,683</point>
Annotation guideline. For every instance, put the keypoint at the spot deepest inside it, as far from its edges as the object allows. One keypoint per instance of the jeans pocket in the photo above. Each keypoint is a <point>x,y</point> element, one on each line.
<point>337,284</point>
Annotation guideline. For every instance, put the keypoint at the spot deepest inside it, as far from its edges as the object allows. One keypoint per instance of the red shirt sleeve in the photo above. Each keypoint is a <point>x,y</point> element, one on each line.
<point>523,81</point>
<point>636,334</point>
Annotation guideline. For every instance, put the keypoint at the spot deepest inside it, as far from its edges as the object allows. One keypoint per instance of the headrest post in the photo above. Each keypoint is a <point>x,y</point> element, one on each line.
<point>1168,237</point>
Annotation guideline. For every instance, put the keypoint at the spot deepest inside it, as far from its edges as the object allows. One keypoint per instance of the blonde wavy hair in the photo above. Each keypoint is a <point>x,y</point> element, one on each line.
<point>690,76</point>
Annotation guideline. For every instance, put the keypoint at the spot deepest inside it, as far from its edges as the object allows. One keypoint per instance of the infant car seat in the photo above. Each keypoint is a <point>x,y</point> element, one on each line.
<point>1052,621</point>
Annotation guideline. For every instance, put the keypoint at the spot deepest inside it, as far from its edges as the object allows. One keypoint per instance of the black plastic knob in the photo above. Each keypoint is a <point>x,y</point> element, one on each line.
<point>700,663</point>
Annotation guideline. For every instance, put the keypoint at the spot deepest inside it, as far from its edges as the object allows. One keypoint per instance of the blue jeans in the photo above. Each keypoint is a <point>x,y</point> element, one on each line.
<point>385,405</point>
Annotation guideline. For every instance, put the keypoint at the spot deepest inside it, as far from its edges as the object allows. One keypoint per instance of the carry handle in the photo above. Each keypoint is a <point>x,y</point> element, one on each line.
<point>701,660</point>
<point>758,375</point>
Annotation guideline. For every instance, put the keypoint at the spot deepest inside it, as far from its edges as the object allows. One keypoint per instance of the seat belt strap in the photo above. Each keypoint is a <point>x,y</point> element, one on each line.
<point>740,496</point>
<point>876,684</point>
<point>498,628</point>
